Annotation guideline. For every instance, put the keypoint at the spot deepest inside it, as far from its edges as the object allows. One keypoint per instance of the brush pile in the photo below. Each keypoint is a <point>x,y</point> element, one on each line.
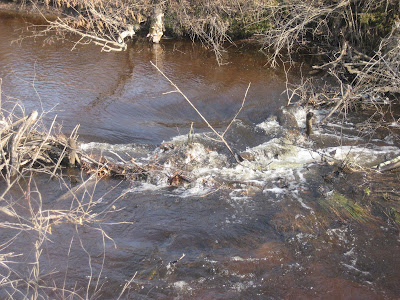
<point>23,147</point>
<point>26,146</point>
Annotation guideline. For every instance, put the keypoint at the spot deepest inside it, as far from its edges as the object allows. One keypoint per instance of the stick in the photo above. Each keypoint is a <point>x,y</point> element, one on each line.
<point>221,137</point>
<point>240,109</point>
<point>337,105</point>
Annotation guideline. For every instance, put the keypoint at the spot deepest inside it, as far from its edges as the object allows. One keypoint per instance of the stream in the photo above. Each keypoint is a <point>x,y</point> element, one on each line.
<point>286,223</point>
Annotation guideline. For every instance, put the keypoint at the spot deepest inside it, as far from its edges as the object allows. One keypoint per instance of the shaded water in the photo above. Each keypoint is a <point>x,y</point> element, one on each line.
<point>277,229</point>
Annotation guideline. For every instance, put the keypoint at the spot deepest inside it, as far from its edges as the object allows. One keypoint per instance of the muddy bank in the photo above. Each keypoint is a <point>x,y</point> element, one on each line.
<point>38,13</point>
<point>222,22</point>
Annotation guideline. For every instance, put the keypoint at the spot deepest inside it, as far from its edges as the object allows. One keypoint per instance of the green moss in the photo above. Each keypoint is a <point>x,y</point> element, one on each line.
<point>344,207</point>
<point>376,20</point>
<point>243,28</point>
<point>394,214</point>
<point>172,25</point>
<point>377,23</point>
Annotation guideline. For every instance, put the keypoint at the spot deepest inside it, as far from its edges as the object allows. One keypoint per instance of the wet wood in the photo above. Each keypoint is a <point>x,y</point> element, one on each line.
<point>105,168</point>
<point>157,26</point>
<point>309,120</point>
<point>342,100</point>
<point>177,179</point>
<point>389,165</point>
<point>72,155</point>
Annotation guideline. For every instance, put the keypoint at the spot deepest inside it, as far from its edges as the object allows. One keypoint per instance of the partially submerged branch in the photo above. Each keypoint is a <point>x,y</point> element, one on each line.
<point>107,44</point>
<point>103,23</point>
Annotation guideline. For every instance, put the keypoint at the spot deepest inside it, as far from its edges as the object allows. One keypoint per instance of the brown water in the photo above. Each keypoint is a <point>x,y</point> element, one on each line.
<point>119,97</point>
<point>276,239</point>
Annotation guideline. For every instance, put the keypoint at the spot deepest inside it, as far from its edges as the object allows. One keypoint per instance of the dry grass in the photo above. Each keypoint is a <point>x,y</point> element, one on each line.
<point>283,27</point>
<point>219,21</point>
<point>354,42</point>
<point>30,221</point>
<point>104,23</point>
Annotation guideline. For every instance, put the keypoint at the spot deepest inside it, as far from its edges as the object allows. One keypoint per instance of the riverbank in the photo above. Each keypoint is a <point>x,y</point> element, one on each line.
<point>38,12</point>
<point>353,42</point>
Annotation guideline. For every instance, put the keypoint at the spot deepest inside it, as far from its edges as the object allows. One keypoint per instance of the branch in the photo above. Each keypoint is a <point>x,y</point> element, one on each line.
<point>220,136</point>
<point>240,109</point>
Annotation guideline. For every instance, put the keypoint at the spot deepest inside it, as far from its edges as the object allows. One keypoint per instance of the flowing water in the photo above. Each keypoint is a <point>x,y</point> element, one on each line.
<point>284,224</point>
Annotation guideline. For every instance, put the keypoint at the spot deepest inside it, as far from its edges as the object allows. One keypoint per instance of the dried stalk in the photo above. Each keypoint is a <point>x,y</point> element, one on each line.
<point>240,109</point>
<point>220,136</point>
<point>14,156</point>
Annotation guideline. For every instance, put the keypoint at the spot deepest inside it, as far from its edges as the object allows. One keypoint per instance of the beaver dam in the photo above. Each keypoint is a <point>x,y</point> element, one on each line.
<point>114,187</point>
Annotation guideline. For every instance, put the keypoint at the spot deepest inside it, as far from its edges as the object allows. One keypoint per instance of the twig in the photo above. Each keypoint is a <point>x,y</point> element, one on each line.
<point>220,136</point>
<point>343,52</point>
<point>15,140</point>
<point>126,285</point>
<point>343,99</point>
<point>240,109</point>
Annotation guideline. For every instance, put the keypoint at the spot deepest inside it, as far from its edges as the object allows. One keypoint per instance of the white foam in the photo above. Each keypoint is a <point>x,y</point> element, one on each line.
<point>277,158</point>
<point>352,268</point>
<point>350,252</point>
<point>197,190</point>
<point>275,190</point>
<point>132,149</point>
<point>270,126</point>
<point>182,285</point>
<point>300,200</point>
<point>299,113</point>
<point>362,155</point>
<point>340,233</point>
<point>238,195</point>
<point>143,187</point>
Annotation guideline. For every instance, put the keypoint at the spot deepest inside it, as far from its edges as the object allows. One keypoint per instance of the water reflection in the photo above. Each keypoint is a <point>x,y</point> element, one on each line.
<point>158,55</point>
<point>119,97</point>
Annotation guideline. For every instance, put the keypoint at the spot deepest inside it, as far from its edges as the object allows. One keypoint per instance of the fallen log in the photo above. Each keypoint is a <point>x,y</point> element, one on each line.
<point>389,165</point>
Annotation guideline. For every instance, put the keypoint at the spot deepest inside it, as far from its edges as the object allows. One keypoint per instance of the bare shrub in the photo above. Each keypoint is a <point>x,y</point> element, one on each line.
<point>105,23</point>
<point>298,23</point>
<point>28,225</point>
<point>357,43</point>
<point>321,26</point>
<point>283,27</point>
<point>216,22</point>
